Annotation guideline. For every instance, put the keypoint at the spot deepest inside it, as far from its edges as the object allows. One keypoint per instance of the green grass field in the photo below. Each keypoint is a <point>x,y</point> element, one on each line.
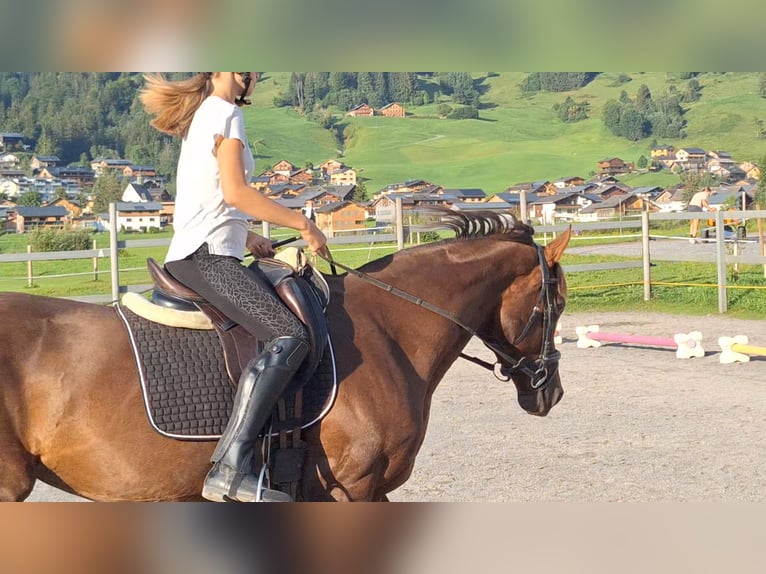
<point>518,138</point>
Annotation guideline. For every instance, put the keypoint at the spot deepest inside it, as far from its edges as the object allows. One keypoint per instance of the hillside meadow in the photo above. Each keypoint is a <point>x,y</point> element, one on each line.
<point>517,138</point>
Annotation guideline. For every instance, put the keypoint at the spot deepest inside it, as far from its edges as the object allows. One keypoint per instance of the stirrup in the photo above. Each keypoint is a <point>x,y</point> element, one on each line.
<point>269,494</point>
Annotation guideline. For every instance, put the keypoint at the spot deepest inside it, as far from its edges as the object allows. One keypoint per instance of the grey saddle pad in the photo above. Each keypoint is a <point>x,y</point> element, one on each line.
<point>187,392</point>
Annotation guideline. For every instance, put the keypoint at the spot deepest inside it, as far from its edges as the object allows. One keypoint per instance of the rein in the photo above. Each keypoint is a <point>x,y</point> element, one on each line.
<point>536,370</point>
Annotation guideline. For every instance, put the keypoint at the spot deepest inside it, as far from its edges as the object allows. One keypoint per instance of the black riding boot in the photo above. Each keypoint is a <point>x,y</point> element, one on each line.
<point>262,383</point>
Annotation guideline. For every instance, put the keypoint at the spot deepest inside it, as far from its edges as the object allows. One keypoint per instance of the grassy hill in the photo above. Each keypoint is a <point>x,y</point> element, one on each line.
<point>517,138</point>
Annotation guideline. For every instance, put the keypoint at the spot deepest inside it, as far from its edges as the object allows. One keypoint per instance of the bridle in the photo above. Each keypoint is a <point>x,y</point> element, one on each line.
<point>539,370</point>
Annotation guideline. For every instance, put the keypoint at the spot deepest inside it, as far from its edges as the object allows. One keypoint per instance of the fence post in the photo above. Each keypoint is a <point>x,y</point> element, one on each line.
<point>95,262</point>
<point>113,252</point>
<point>646,256</point>
<point>399,217</point>
<point>30,283</point>
<point>523,206</point>
<point>721,262</point>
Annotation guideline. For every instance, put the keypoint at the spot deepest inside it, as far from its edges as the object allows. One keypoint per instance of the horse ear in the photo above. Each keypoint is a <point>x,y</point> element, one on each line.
<point>555,249</point>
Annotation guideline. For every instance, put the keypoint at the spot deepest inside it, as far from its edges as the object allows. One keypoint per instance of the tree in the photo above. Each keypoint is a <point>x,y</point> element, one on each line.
<point>643,98</point>
<point>106,190</point>
<point>30,199</point>
<point>760,190</point>
<point>642,162</point>
<point>762,84</point>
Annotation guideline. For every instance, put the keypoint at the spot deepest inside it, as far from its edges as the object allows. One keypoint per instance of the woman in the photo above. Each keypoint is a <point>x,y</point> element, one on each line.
<point>698,202</point>
<point>213,203</point>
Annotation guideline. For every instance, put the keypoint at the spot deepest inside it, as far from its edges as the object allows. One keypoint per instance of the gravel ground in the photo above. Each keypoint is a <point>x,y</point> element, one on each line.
<point>635,424</point>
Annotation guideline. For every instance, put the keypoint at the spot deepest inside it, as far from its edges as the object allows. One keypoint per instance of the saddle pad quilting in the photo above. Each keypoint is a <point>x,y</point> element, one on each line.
<point>187,391</point>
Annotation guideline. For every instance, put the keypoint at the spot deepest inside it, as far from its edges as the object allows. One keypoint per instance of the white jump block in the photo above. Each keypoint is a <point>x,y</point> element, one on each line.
<point>687,345</point>
<point>728,354</point>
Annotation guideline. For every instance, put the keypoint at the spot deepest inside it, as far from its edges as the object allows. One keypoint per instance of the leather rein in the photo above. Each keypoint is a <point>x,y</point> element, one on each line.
<point>538,369</point>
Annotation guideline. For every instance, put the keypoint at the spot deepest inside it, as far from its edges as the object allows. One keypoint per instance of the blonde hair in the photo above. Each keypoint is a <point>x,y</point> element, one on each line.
<point>174,103</point>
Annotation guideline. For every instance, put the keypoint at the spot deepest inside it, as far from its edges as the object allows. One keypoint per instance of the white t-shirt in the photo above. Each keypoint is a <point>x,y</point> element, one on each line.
<point>201,215</point>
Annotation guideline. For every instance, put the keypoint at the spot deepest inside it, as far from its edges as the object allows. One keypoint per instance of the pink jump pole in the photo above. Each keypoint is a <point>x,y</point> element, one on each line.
<point>686,345</point>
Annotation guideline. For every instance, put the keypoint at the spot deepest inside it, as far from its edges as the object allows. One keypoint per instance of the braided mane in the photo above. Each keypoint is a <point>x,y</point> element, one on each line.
<point>474,224</point>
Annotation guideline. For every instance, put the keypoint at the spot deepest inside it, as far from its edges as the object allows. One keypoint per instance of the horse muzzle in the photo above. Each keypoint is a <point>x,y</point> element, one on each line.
<point>539,402</point>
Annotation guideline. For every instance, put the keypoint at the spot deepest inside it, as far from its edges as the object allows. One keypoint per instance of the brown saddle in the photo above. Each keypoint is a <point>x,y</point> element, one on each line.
<point>303,293</point>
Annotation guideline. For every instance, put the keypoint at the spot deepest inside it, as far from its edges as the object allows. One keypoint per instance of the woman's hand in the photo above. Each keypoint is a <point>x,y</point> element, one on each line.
<point>258,245</point>
<point>314,238</point>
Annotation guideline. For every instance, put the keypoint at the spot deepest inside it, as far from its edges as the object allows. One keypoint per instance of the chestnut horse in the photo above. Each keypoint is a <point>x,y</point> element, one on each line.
<point>71,409</point>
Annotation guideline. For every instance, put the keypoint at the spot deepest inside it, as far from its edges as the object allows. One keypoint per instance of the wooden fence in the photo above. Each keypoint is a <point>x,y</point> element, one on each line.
<point>638,228</point>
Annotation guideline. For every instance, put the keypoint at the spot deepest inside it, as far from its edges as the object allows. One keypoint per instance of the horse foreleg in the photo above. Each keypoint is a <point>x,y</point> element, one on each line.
<point>17,468</point>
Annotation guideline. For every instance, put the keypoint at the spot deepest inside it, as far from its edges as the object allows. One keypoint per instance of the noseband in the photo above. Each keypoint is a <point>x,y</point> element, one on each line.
<point>539,370</point>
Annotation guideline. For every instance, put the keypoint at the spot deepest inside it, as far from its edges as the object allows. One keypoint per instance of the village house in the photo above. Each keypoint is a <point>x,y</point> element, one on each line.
<point>139,172</point>
<point>751,170</point>
<point>691,158</point>
<point>343,176</point>
<point>11,140</point>
<point>537,187</point>
<point>614,165</point>
<point>617,206</point>
<point>40,161</point>
<point>330,166</point>
<point>566,182</point>
<point>361,111</point>
<point>340,216</point>
<point>662,152</point>
<point>23,219</point>
<point>73,207</point>
<point>466,195</point>
<point>101,165</point>
<point>9,160</point>
<point>82,176</point>
<point>284,167</point>
<point>138,216</point>
<point>393,110</point>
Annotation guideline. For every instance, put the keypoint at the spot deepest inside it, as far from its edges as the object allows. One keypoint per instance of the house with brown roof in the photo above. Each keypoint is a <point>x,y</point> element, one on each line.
<point>340,216</point>
<point>614,165</point>
<point>361,111</point>
<point>343,176</point>
<point>24,218</point>
<point>393,110</point>
<point>284,167</point>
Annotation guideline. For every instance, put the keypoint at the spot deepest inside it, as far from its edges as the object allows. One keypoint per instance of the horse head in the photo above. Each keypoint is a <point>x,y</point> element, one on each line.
<point>529,313</point>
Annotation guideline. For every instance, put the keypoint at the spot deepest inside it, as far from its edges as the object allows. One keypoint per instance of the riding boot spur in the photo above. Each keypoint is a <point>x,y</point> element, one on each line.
<point>262,383</point>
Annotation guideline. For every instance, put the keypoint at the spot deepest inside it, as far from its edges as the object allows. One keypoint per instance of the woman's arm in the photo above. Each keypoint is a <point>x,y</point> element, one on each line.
<point>238,194</point>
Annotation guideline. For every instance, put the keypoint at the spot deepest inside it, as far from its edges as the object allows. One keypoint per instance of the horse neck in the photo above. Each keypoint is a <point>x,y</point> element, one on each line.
<point>464,278</point>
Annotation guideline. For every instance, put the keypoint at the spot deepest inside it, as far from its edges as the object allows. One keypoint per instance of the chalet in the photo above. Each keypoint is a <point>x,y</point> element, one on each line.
<point>284,190</point>
<point>751,170</point>
<point>393,110</point>
<point>719,154</point>
<point>40,161</point>
<point>726,171</point>
<point>614,207</point>
<point>660,152</point>
<point>343,176</point>
<point>466,195</point>
<point>82,176</point>
<point>340,216</point>
<point>731,197</point>
<point>566,182</point>
<point>301,176</point>
<point>26,218</point>
<point>259,182</point>
<point>498,206</point>
<point>9,160</point>
<point>330,166</point>
<point>73,207</point>
<point>101,165</point>
<point>10,140</point>
<point>138,216</point>
<point>693,156</point>
<point>361,111</point>
<point>548,207</point>
<point>284,167</point>
<point>139,172</point>
<point>539,187</point>
<point>614,165</point>
<point>670,200</point>
<point>384,207</point>
<point>409,186</point>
